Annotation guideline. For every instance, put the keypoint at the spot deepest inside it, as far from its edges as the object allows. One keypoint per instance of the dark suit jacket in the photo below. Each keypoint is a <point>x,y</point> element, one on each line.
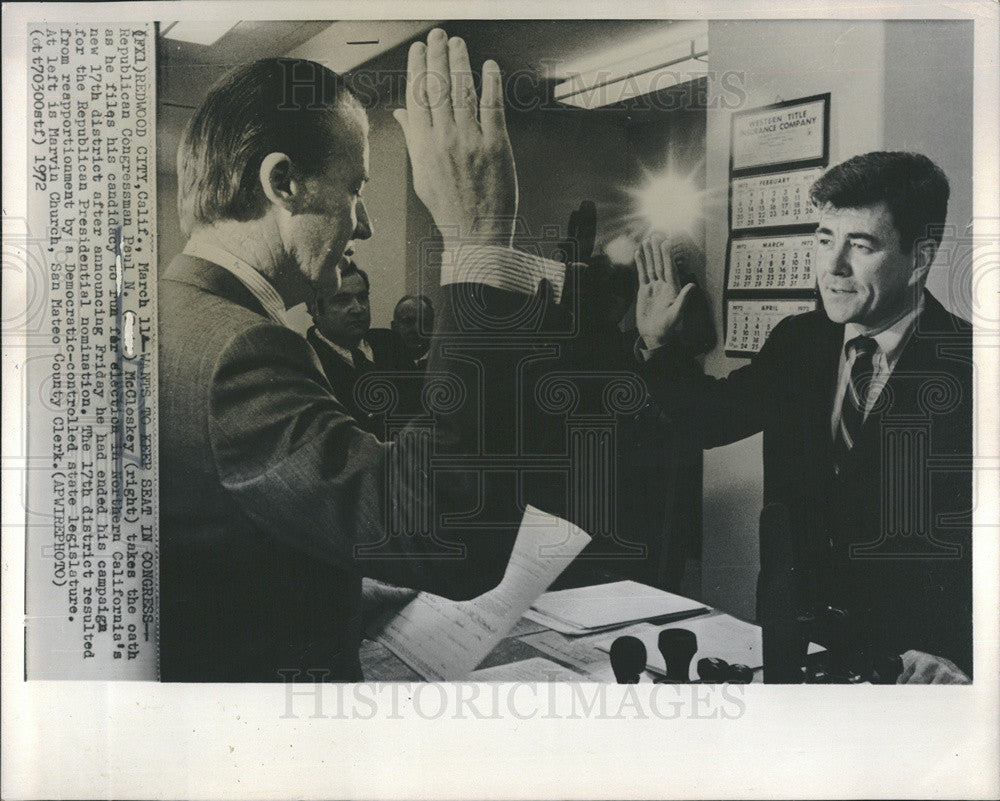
<point>269,490</point>
<point>343,376</point>
<point>890,542</point>
<point>388,349</point>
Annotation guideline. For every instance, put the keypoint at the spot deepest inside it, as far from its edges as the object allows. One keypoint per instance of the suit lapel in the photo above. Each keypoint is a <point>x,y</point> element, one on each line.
<point>213,279</point>
<point>823,373</point>
<point>897,397</point>
<point>338,372</point>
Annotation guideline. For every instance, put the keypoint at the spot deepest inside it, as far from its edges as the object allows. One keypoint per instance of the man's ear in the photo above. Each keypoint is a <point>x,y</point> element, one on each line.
<point>923,257</point>
<point>278,181</point>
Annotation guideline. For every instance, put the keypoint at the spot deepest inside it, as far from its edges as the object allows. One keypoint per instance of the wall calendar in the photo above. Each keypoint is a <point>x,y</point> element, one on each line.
<point>777,152</point>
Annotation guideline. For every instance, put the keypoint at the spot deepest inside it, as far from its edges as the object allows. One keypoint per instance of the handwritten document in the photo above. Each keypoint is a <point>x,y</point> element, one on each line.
<point>580,653</point>
<point>446,640</point>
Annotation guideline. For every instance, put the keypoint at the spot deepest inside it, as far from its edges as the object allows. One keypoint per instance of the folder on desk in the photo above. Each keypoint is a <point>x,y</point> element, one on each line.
<point>588,610</point>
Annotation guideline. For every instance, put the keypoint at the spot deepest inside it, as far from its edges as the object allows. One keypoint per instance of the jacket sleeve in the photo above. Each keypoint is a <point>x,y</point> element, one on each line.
<point>298,465</point>
<point>719,411</point>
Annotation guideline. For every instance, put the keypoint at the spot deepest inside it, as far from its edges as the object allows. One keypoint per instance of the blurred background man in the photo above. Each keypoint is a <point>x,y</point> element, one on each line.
<point>346,344</point>
<point>412,322</point>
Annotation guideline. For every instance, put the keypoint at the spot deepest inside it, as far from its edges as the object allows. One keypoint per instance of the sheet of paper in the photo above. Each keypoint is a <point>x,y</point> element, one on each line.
<point>525,626</point>
<point>445,640</point>
<point>719,635</point>
<point>578,652</point>
<point>573,631</point>
<point>557,625</point>
<point>617,603</point>
<point>535,669</point>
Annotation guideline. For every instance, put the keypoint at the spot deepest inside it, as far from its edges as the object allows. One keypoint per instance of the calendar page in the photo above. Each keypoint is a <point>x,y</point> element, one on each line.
<point>767,201</point>
<point>774,262</point>
<point>749,322</point>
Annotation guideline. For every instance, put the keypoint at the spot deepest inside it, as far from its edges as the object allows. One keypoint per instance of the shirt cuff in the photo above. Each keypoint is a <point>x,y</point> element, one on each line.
<point>501,268</point>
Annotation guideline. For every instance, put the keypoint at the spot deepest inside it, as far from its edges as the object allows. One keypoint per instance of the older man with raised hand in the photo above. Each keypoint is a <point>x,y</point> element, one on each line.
<point>866,411</point>
<point>273,502</point>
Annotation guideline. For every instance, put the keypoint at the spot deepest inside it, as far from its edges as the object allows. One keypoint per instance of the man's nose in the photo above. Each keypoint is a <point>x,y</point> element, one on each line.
<point>840,263</point>
<point>363,229</point>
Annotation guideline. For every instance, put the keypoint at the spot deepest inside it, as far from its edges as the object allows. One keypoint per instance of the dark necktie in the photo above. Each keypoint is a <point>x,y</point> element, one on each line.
<point>852,410</point>
<point>362,364</point>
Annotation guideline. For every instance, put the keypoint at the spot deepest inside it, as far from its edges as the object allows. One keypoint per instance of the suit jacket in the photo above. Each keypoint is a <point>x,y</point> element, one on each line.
<point>890,540</point>
<point>343,376</point>
<point>388,349</point>
<point>273,502</point>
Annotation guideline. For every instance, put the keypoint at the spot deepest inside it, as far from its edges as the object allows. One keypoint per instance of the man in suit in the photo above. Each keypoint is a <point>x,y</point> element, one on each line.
<point>866,410</point>
<point>412,318</point>
<point>341,335</point>
<point>273,502</point>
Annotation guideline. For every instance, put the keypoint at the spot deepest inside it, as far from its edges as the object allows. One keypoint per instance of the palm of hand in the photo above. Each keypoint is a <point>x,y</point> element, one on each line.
<point>656,311</point>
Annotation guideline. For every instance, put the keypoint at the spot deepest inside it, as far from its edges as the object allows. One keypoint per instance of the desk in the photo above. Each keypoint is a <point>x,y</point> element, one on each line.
<point>378,663</point>
<point>526,640</point>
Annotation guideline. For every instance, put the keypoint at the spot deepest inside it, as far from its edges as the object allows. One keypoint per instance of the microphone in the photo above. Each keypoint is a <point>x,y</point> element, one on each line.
<point>678,647</point>
<point>784,648</point>
<point>713,670</point>
<point>628,659</point>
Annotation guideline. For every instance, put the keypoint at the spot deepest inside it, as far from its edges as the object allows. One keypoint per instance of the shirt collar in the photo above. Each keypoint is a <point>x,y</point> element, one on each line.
<point>345,353</point>
<point>891,340</point>
<point>258,285</point>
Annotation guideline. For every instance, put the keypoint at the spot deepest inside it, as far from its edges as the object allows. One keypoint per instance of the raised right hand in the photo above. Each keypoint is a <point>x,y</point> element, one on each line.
<point>463,165</point>
<point>660,302</point>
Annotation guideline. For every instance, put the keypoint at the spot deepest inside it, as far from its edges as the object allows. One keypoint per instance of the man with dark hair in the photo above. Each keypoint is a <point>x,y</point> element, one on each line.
<point>412,320</point>
<point>273,502</point>
<point>341,335</point>
<point>866,410</point>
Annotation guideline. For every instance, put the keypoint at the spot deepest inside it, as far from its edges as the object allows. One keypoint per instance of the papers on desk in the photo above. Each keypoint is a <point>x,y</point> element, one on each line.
<point>719,635</point>
<point>445,640</point>
<point>588,610</point>
<point>577,652</point>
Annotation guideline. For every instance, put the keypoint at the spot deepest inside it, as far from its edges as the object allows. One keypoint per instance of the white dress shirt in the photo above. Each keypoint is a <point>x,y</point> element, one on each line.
<point>345,353</point>
<point>890,343</point>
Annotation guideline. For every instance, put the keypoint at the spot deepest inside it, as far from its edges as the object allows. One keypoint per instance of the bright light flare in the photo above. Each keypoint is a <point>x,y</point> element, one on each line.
<point>669,203</point>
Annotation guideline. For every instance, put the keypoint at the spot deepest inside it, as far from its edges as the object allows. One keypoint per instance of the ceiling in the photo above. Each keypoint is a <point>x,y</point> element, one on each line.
<point>186,71</point>
<point>536,48</point>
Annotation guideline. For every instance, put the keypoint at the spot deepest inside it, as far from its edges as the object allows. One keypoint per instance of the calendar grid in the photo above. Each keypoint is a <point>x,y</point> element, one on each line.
<point>771,254</point>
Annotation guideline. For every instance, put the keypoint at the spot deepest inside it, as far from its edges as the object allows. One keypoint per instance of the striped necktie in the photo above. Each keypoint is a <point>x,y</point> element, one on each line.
<point>852,410</point>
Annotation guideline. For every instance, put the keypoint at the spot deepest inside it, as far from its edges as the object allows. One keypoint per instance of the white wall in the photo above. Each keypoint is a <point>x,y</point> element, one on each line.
<point>893,86</point>
<point>928,91</point>
<point>383,256</point>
